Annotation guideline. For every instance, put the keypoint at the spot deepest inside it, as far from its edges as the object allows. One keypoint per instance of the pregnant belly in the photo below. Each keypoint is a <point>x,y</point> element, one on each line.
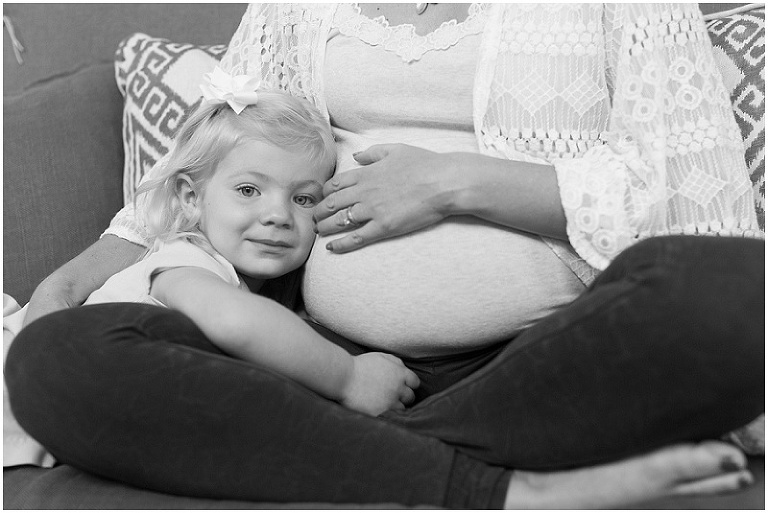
<point>456,286</point>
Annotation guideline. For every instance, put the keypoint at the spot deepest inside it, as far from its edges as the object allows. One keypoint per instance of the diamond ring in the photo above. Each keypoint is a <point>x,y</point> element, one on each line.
<point>350,218</point>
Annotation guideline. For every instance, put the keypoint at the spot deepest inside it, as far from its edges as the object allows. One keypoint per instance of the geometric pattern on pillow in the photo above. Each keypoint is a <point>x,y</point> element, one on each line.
<point>159,81</point>
<point>739,48</point>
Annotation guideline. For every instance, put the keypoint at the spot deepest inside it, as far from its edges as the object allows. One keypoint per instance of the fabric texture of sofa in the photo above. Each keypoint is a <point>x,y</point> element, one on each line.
<point>79,132</point>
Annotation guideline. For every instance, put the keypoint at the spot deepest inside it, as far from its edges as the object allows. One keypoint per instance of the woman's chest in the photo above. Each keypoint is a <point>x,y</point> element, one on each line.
<point>539,68</point>
<point>378,74</point>
<point>369,86</point>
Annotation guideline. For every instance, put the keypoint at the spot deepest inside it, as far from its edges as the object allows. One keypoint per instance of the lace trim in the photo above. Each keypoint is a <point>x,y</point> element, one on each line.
<point>551,38</point>
<point>594,189</point>
<point>402,39</point>
<point>543,143</point>
<point>667,28</point>
<point>584,245</point>
<point>695,137</point>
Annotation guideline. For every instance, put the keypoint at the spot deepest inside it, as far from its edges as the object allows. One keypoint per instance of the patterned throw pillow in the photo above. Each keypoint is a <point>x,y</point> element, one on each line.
<point>739,45</point>
<point>160,83</point>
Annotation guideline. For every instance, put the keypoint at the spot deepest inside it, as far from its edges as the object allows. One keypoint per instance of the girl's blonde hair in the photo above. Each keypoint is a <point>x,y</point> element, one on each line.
<point>208,135</point>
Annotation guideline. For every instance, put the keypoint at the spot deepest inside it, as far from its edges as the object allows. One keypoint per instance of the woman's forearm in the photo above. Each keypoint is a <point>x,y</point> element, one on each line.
<point>72,283</point>
<point>520,195</point>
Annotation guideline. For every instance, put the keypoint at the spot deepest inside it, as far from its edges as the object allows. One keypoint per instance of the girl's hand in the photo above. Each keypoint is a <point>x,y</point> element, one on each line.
<point>379,382</point>
<point>400,190</point>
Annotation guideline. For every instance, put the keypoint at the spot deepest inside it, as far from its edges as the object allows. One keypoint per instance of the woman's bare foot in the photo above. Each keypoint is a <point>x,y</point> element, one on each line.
<point>688,469</point>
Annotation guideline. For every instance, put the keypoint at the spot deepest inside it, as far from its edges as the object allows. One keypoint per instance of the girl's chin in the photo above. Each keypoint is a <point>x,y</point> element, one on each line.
<point>263,272</point>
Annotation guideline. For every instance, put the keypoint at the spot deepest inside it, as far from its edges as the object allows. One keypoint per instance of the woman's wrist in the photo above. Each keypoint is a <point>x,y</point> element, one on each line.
<point>456,191</point>
<point>470,181</point>
<point>520,195</point>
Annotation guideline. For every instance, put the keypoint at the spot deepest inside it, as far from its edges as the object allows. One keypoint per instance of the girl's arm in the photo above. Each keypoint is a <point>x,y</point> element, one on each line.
<point>72,283</point>
<point>259,330</point>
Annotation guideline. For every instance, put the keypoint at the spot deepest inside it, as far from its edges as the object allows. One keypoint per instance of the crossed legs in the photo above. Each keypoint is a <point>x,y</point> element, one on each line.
<point>137,394</point>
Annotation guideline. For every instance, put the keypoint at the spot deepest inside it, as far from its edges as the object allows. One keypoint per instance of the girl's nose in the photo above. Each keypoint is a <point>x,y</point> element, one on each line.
<point>278,213</point>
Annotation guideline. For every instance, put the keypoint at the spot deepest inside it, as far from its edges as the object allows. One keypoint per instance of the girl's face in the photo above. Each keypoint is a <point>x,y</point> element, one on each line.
<point>257,208</point>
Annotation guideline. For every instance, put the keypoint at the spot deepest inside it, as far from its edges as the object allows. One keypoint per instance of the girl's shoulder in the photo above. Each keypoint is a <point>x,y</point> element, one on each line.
<point>182,253</point>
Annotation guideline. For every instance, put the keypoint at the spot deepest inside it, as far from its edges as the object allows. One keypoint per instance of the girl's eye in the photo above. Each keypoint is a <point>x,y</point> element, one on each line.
<point>305,201</point>
<point>247,190</point>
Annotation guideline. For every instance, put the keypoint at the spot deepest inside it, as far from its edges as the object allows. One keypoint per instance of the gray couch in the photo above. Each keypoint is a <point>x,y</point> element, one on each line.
<point>63,162</point>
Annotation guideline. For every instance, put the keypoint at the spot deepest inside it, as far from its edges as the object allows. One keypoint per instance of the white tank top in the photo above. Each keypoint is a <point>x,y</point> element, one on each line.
<point>458,285</point>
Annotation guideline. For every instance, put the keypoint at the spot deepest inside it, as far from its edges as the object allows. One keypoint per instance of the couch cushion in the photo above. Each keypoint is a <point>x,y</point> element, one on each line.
<point>739,47</point>
<point>62,161</point>
<point>64,487</point>
<point>59,38</point>
<point>160,82</point>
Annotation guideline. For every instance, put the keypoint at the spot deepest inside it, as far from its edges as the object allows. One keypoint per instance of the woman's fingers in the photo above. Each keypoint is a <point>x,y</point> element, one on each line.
<point>397,192</point>
<point>340,181</point>
<point>334,204</point>
<point>356,239</point>
<point>348,218</point>
<point>372,154</point>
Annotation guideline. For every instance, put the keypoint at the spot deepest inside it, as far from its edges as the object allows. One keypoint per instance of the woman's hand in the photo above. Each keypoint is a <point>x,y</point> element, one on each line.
<point>379,382</point>
<point>400,190</point>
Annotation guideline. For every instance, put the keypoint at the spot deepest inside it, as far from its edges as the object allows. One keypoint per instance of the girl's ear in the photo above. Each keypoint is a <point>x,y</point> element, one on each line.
<point>187,195</point>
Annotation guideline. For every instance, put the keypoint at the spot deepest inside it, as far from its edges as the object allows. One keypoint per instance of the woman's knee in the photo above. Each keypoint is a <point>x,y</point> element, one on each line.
<point>45,345</point>
<point>39,369</point>
<point>702,296</point>
<point>78,330</point>
<point>696,269</point>
<point>58,354</point>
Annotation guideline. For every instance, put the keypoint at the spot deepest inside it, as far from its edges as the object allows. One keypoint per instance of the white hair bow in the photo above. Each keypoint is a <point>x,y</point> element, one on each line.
<point>238,91</point>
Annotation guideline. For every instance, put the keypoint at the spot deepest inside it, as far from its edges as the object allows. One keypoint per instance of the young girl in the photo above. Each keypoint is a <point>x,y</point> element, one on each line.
<point>231,220</point>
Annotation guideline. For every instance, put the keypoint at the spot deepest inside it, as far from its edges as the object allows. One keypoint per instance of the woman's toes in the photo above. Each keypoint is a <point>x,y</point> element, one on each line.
<point>725,483</point>
<point>685,469</point>
<point>687,462</point>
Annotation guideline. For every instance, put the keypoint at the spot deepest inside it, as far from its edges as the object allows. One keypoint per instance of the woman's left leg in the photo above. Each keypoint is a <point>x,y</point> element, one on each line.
<point>137,394</point>
<point>666,346</point>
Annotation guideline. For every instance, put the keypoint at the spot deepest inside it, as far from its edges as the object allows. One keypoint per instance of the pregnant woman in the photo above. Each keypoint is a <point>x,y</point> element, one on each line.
<point>513,214</point>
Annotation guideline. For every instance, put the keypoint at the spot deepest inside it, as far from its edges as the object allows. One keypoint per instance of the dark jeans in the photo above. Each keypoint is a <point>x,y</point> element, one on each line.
<point>666,346</point>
